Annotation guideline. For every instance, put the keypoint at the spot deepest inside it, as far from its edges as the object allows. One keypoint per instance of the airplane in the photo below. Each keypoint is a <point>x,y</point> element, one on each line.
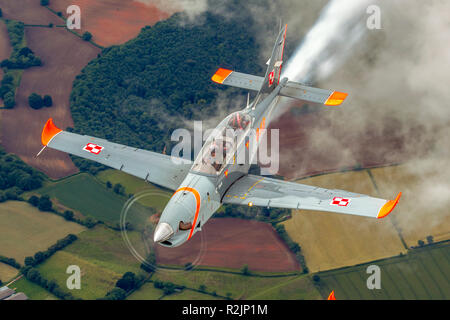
<point>202,186</point>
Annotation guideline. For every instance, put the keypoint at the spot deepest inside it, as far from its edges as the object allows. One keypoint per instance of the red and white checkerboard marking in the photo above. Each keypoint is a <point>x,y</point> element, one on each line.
<point>341,202</point>
<point>271,77</point>
<point>93,148</point>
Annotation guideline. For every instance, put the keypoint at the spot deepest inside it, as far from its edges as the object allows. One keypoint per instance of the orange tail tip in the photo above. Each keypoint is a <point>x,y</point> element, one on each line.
<point>336,98</point>
<point>221,75</point>
<point>331,296</point>
<point>49,131</point>
<point>388,207</point>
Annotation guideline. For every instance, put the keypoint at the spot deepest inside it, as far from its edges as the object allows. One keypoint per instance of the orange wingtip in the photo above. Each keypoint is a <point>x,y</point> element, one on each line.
<point>336,98</point>
<point>221,75</point>
<point>388,207</point>
<point>331,296</point>
<point>49,131</point>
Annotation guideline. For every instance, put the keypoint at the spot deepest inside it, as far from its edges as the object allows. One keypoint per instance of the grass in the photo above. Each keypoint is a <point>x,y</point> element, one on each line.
<point>421,274</point>
<point>240,286</point>
<point>95,280</point>
<point>300,288</point>
<point>97,201</point>
<point>146,292</point>
<point>135,185</point>
<point>102,257</point>
<point>32,290</point>
<point>187,294</point>
<point>24,230</point>
<point>105,248</point>
<point>7,272</point>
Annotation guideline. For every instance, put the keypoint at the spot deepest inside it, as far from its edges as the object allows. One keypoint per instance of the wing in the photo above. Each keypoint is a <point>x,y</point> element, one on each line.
<point>260,191</point>
<point>157,168</point>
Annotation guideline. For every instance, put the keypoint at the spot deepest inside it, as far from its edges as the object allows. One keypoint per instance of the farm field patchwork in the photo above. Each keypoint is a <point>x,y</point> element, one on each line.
<point>156,198</point>
<point>25,230</point>
<point>424,207</point>
<point>421,274</point>
<point>239,286</point>
<point>331,240</point>
<point>102,257</point>
<point>32,290</point>
<point>98,201</point>
<point>232,243</point>
<point>114,21</point>
<point>55,46</point>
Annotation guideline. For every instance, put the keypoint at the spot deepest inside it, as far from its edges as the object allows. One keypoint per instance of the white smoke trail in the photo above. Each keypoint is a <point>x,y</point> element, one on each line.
<point>326,45</point>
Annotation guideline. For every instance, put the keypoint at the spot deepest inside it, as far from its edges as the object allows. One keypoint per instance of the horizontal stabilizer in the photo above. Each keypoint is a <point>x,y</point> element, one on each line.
<point>327,97</point>
<point>238,79</point>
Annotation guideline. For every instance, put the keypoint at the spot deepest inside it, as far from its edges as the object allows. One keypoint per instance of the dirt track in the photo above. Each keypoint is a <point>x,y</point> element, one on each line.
<point>232,243</point>
<point>112,21</point>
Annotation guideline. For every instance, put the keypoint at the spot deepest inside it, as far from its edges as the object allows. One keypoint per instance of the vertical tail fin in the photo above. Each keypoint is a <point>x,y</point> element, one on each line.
<point>275,64</point>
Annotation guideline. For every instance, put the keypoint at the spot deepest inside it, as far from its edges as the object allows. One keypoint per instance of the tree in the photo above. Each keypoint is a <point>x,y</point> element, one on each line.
<point>116,294</point>
<point>47,101</point>
<point>87,36</point>
<point>245,270</point>
<point>430,239</point>
<point>44,2</point>
<point>45,204</point>
<point>68,215</point>
<point>119,189</point>
<point>1,13</point>
<point>169,288</point>
<point>316,278</point>
<point>127,282</point>
<point>421,243</point>
<point>34,201</point>
<point>35,101</point>
<point>202,288</point>
<point>1,283</point>
<point>9,100</point>
<point>188,266</point>
<point>108,184</point>
<point>29,261</point>
<point>39,257</point>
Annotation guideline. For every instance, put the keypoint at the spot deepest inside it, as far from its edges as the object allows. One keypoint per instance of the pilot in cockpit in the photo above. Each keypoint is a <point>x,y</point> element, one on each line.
<point>239,121</point>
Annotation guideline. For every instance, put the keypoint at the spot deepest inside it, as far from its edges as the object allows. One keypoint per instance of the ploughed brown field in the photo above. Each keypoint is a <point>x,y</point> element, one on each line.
<point>232,243</point>
<point>63,55</point>
<point>113,21</point>
<point>312,144</point>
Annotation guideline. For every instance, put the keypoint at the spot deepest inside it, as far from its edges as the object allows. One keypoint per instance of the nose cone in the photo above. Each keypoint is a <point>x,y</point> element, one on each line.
<point>163,232</point>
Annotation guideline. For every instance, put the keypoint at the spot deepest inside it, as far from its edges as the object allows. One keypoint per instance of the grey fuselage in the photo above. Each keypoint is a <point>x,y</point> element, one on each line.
<point>200,194</point>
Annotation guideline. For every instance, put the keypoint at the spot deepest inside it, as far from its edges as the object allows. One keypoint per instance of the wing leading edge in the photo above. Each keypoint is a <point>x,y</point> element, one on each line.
<point>153,167</point>
<point>266,192</point>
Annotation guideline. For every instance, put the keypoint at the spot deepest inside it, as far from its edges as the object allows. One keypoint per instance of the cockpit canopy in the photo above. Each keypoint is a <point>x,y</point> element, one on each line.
<point>222,143</point>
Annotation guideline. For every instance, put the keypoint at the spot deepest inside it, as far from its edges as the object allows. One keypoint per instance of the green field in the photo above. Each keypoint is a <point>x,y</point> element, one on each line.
<point>32,290</point>
<point>421,274</point>
<point>154,196</point>
<point>102,257</point>
<point>188,294</point>
<point>240,286</point>
<point>86,194</point>
<point>24,230</point>
<point>146,292</point>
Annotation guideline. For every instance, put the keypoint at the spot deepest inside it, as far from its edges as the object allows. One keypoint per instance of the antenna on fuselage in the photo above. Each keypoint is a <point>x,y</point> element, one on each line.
<point>248,99</point>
